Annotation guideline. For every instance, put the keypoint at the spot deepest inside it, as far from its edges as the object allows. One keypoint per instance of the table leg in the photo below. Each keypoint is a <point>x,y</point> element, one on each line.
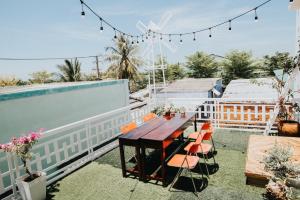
<point>122,158</point>
<point>143,157</point>
<point>195,124</point>
<point>163,166</point>
<point>139,163</point>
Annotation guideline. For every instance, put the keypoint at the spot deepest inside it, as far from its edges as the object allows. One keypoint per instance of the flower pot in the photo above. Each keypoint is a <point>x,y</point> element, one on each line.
<point>34,189</point>
<point>288,128</point>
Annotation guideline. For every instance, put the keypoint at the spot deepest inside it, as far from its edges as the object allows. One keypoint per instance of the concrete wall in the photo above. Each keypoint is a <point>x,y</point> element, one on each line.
<point>52,108</point>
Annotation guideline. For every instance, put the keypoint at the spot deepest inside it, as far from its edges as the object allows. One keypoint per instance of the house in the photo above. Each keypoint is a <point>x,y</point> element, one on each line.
<point>259,88</point>
<point>192,88</point>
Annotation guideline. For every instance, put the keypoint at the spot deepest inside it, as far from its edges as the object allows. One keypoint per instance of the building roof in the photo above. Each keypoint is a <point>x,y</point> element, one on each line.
<point>192,85</point>
<point>247,88</point>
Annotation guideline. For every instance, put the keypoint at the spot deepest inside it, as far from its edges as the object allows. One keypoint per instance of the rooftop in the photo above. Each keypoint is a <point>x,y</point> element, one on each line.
<point>192,85</point>
<point>251,88</point>
<point>102,178</point>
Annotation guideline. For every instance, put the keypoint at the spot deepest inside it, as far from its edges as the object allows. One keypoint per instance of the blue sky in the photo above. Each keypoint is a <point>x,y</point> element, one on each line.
<point>35,28</point>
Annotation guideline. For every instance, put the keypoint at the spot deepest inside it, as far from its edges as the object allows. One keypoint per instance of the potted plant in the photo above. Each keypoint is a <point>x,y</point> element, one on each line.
<point>32,185</point>
<point>285,180</point>
<point>287,125</point>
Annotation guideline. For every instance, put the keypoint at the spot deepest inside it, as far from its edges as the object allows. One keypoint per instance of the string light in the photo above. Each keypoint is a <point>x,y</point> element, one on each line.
<point>82,11</point>
<point>137,39</point>
<point>132,42</point>
<point>142,38</point>
<point>256,17</point>
<point>101,24</point>
<point>180,38</point>
<point>115,34</point>
<point>147,34</point>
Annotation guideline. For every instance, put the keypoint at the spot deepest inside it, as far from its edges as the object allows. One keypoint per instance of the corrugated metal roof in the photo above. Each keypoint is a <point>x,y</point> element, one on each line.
<point>245,88</point>
<point>191,85</point>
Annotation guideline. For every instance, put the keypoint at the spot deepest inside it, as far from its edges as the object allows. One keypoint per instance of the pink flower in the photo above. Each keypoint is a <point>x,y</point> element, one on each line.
<point>35,136</point>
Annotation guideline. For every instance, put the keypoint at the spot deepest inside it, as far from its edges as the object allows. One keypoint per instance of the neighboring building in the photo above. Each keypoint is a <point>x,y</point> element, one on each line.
<point>192,88</point>
<point>28,108</point>
<point>251,88</point>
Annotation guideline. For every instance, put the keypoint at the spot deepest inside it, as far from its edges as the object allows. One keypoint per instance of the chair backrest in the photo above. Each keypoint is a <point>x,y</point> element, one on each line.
<point>128,127</point>
<point>206,125</point>
<point>207,134</point>
<point>149,116</point>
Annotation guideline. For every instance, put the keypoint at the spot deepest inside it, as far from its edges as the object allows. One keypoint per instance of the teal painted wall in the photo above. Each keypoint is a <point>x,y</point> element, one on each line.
<point>51,108</point>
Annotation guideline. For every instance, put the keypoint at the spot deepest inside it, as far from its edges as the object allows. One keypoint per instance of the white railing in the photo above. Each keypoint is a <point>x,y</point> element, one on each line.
<point>66,148</point>
<point>249,114</point>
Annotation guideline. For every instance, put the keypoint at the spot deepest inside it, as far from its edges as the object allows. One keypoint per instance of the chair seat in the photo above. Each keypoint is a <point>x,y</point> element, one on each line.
<point>178,159</point>
<point>204,150</point>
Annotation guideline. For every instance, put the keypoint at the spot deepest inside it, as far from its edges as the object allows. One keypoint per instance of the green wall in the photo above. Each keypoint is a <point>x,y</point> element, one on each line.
<point>51,108</point>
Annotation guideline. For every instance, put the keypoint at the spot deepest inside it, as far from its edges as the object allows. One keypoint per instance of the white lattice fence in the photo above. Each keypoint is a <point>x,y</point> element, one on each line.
<point>64,149</point>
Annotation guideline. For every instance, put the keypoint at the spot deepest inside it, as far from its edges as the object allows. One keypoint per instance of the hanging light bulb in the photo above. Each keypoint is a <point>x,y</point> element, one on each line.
<point>210,32</point>
<point>115,34</point>
<point>180,38</point>
<point>229,28</point>
<point>169,37</point>
<point>132,42</point>
<point>142,38</point>
<point>82,11</point>
<point>194,39</point>
<point>137,39</point>
<point>101,24</point>
<point>256,17</point>
<point>161,36</point>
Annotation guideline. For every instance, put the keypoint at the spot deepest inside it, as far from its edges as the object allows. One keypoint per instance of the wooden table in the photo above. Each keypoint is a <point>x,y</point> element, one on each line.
<point>132,139</point>
<point>158,133</point>
<point>160,138</point>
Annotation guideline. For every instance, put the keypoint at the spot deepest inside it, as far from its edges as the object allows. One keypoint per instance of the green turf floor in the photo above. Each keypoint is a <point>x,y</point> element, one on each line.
<point>102,179</point>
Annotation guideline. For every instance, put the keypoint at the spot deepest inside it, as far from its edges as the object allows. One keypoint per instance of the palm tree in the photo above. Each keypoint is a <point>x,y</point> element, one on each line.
<point>123,60</point>
<point>70,71</point>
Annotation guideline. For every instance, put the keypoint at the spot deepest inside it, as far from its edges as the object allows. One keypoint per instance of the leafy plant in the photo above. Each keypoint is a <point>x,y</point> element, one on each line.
<point>21,147</point>
<point>8,81</point>
<point>70,71</point>
<point>278,162</point>
<point>166,109</point>
<point>41,77</point>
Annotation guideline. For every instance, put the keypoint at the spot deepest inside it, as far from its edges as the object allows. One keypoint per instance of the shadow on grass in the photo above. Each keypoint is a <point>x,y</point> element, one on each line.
<point>51,190</point>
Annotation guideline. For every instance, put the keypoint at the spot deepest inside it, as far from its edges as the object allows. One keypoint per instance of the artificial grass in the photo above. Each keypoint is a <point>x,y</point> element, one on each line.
<point>102,179</point>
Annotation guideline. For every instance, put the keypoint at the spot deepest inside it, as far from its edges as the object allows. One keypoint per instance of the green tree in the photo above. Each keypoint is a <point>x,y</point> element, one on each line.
<point>123,59</point>
<point>41,77</point>
<point>70,71</point>
<point>278,61</point>
<point>201,65</point>
<point>175,72</point>
<point>238,64</point>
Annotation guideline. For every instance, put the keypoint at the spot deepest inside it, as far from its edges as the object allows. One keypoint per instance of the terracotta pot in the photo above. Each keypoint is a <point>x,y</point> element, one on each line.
<point>288,128</point>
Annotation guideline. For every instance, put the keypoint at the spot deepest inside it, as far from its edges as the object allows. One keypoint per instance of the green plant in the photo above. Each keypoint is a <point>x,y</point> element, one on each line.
<point>8,81</point>
<point>70,71</point>
<point>41,77</point>
<point>278,162</point>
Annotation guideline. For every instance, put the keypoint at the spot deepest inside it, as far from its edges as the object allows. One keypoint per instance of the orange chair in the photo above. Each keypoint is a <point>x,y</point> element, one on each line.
<point>186,162</point>
<point>128,127</point>
<point>203,148</point>
<point>206,127</point>
<point>203,127</point>
<point>149,116</point>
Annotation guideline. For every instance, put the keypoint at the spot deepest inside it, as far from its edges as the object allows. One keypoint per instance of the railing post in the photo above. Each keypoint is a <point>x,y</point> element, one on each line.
<point>11,174</point>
